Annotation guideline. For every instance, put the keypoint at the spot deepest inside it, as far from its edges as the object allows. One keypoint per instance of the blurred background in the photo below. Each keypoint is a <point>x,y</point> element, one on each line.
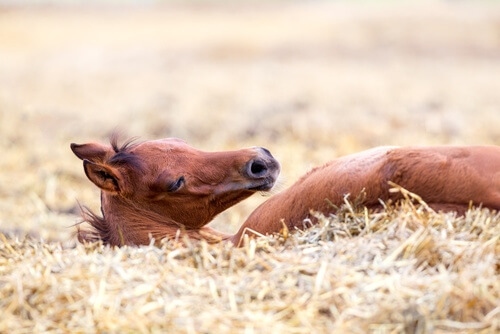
<point>309,80</point>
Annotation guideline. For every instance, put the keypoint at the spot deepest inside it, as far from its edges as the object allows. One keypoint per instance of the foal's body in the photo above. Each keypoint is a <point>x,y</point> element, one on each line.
<point>163,188</point>
<point>447,178</point>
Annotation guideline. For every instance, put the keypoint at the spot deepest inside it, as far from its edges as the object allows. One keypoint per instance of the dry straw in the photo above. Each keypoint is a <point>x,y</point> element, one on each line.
<point>404,270</point>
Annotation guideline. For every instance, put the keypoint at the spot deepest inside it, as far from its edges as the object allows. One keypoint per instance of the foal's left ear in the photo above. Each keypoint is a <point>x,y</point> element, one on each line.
<point>92,151</point>
<point>105,177</point>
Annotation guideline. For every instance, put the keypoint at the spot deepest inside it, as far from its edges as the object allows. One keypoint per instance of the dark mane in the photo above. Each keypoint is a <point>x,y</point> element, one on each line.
<point>123,156</point>
<point>125,147</point>
<point>99,229</point>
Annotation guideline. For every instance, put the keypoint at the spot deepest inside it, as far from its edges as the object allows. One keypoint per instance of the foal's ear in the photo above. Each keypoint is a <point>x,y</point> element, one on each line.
<point>105,177</point>
<point>91,151</point>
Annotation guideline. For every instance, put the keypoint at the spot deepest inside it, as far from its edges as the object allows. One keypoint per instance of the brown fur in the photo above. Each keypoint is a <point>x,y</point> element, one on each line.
<point>140,198</point>
<point>447,178</point>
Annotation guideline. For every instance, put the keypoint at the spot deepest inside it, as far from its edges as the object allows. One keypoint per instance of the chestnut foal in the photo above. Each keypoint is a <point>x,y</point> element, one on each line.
<point>165,187</point>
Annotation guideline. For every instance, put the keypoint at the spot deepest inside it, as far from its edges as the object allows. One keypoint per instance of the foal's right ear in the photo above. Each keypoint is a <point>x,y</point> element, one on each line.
<point>92,151</point>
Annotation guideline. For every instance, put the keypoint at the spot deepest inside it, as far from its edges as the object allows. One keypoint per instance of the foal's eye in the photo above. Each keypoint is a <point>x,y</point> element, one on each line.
<point>174,186</point>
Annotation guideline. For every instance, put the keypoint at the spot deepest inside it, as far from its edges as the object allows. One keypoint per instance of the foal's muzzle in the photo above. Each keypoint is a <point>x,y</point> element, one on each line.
<point>263,170</point>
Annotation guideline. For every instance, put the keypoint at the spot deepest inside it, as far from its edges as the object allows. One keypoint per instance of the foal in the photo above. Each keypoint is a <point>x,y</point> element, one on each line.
<point>165,187</point>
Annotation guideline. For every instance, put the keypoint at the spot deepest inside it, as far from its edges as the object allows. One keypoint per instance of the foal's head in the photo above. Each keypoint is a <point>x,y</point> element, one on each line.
<point>160,184</point>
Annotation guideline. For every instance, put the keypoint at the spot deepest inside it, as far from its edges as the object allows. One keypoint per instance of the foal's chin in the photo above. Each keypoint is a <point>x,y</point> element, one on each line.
<point>277,186</point>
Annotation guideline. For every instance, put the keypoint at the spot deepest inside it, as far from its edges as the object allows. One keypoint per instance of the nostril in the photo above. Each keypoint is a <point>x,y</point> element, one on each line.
<point>257,168</point>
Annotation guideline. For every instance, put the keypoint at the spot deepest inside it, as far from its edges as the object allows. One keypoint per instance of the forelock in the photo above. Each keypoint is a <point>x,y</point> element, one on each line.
<point>125,147</point>
<point>123,156</point>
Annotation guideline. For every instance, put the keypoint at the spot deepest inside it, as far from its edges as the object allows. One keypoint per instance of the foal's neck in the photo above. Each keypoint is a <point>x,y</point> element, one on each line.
<point>127,224</point>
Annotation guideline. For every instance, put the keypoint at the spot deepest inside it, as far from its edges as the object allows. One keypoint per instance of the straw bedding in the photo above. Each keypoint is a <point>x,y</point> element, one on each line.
<point>406,269</point>
<point>310,81</point>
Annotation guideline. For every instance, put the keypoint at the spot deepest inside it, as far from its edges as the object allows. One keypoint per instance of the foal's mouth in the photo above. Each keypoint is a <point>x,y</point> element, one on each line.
<point>266,185</point>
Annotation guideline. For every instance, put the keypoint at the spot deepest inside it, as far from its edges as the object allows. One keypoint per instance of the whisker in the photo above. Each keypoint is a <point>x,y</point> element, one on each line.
<point>278,187</point>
